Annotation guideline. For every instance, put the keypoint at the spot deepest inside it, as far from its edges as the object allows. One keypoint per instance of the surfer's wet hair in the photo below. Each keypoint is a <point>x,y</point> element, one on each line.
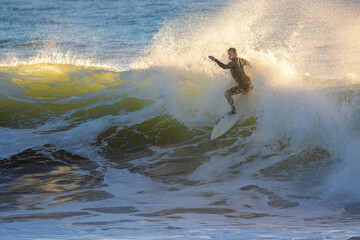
<point>233,50</point>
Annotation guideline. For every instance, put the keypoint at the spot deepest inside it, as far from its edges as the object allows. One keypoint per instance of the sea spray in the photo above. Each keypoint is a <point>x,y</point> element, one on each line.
<point>289,54</point>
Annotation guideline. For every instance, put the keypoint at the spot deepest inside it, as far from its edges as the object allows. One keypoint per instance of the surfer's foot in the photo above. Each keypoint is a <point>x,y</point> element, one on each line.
<point>232,112</point>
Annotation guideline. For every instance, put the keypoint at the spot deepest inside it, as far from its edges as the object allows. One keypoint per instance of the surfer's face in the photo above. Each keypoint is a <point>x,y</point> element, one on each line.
<point>232,55</point>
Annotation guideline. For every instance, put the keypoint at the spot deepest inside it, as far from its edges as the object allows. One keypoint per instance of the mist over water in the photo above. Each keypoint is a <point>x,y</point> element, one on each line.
<point>305,58</point>
<point>117,111</point>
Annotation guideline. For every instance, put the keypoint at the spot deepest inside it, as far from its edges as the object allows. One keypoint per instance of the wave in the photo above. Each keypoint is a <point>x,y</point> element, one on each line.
<point>303,115</point>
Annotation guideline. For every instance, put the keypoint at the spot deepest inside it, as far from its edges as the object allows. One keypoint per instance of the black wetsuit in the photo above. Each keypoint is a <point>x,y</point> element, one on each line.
<point>236,67</point>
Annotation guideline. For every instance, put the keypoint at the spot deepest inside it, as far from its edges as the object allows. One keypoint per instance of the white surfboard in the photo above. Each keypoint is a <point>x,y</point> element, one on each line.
<point>226,122</point>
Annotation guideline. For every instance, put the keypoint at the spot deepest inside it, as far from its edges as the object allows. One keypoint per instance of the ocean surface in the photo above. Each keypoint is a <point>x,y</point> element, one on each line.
<point>107,107</point>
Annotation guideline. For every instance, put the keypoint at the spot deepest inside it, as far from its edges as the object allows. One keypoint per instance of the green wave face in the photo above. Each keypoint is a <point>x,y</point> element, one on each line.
<point>34,94</point>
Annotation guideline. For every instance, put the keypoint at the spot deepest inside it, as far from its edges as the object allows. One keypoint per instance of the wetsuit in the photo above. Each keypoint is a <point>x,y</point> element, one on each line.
<point>236,67</point>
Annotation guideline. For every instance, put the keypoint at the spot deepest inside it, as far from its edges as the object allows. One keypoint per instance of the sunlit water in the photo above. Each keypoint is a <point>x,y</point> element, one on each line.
<point>107,107</point>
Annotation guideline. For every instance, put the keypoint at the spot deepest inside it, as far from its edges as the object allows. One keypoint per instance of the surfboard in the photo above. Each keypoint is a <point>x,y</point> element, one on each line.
<point>226,122</point>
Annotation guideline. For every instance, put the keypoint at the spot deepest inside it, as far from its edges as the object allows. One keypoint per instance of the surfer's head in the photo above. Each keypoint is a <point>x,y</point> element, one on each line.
<point>232,53</point>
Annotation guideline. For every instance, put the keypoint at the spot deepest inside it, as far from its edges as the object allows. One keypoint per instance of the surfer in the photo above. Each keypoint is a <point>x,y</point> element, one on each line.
<point>236,66</point>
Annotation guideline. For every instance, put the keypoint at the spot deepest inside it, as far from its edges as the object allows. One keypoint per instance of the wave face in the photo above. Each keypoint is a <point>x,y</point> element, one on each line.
<point>84,134</point>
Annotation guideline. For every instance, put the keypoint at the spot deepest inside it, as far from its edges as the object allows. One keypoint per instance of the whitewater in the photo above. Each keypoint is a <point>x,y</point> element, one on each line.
<point>107,107</point>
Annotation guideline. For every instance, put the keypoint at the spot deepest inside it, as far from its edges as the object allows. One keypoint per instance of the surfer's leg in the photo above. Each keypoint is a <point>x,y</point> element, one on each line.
<point>228,95</point>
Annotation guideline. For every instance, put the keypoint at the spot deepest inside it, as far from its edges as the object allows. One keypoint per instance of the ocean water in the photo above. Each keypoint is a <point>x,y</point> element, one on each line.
<point>107,107</point>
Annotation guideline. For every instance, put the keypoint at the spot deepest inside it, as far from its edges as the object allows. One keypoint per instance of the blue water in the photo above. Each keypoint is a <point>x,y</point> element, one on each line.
<point>107,108</point>
<point>112,31</point>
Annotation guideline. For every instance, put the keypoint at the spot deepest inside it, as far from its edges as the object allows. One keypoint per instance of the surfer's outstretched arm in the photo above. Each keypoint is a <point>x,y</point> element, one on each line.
<point>222,65</point>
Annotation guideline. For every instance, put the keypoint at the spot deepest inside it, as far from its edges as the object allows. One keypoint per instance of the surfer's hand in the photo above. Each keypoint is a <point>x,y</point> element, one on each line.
<point>212,58</point>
